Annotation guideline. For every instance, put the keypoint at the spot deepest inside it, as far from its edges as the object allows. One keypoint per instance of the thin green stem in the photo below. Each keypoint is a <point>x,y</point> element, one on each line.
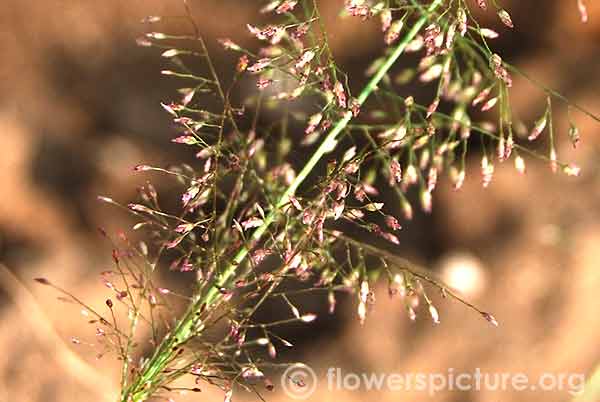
<point>148,380</point>
<point>328,144</point>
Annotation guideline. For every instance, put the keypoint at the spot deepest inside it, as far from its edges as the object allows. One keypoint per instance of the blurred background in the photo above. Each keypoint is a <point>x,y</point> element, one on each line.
<point>81,108</point>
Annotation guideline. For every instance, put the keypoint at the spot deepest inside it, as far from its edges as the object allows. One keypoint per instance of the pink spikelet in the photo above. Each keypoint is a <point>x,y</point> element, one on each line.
<point>582,11</point>
<point>340,95</point>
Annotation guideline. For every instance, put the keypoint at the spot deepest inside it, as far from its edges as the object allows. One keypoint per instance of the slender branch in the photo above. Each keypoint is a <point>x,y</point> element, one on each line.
<point>553,92</point>
<point>415,270</point>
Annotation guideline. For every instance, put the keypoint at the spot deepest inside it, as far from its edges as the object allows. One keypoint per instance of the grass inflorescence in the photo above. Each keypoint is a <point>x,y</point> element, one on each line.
<point>249,222</point>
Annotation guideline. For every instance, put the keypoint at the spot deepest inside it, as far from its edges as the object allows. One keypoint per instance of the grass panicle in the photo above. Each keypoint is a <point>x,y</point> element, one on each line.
<point>249,222</point>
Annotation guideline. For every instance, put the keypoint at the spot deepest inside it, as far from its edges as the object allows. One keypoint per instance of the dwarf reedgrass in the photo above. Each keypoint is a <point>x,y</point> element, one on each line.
<point>249,224</point>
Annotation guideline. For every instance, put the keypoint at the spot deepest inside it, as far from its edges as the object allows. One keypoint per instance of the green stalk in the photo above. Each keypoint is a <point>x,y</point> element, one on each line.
<point>145,384</point>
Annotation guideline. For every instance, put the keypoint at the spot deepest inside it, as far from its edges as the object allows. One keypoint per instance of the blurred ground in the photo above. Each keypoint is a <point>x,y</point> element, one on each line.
<point>81,107</point>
